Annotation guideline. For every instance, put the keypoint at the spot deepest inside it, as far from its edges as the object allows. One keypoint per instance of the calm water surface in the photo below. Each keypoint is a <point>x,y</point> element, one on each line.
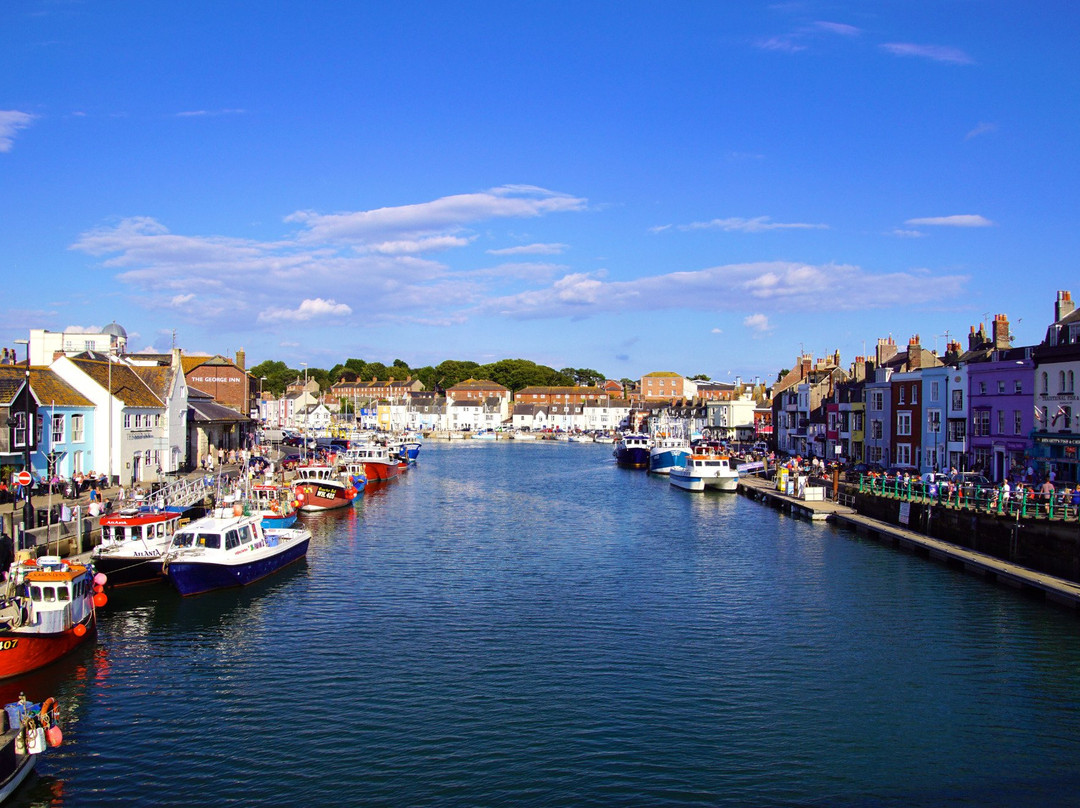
<point>526,624</point>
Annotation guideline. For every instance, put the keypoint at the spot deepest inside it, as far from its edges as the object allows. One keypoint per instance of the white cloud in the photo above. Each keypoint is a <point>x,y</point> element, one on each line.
<point>936,53</point>
<point>307,310</point>
<point>963,220</point>
<point>785,44</point>
<point>982,129</point>
<point>758,323</point>
<point>531,249</point>
<point>899,233</point>
<point>736,224</point>
<point>11,121</point>
<point>182,300</point>
<point>843,29</point>
<point>717,331</point>
<point>209,113</point>
<point>785,286</point>
<point>444,216</point>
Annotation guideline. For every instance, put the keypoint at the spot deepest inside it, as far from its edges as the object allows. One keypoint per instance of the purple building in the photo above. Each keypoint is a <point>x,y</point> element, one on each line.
<point>1001,395</point>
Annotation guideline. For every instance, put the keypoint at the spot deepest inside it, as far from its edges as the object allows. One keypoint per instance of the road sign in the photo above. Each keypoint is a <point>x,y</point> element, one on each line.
<point>23,478</point>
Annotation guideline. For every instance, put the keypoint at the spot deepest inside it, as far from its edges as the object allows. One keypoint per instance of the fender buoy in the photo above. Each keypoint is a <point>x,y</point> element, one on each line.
<point>100,578</point>
<point>237,509</point>
<point>79,630</point>
<point>100,599</point>
<point>275,507</point>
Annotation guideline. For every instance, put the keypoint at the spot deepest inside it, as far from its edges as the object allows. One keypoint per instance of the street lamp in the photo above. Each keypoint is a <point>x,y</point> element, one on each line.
<point>28,506</point>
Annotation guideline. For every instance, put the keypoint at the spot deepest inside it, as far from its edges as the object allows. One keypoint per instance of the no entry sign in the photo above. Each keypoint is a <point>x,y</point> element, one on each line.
<point>23,478</point>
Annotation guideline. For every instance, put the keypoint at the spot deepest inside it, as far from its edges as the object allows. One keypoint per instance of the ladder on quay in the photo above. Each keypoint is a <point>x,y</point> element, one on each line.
<point>186,492</point>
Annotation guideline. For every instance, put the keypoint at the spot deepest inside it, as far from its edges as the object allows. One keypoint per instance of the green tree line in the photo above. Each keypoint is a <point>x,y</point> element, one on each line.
<point>514,374</point>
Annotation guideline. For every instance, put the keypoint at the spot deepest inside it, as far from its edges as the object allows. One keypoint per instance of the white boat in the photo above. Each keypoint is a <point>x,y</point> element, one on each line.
<point>523,436</point>
<point>668,452</point>
<point>133,541</point>
<point>580,437</point>
<point>28,730</point>
<point>604,437</point>
<point>705,471</point>
<point>229,549</point>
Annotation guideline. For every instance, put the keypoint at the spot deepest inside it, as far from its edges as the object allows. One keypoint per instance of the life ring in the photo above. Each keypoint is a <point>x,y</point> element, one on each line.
<point>49,707</point>
<point>275,507</point>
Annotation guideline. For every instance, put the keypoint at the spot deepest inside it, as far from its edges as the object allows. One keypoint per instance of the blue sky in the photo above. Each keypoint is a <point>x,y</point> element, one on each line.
<point>704,187</point>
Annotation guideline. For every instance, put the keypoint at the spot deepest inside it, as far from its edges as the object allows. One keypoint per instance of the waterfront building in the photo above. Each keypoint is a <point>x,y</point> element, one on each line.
<point>19,414</point>
<point>134,440</point>
<point>66,438</point>
<point>529,417</point>
<point>935,398</point>
<point>877,440</point>
<point>907,431</point>
<point>732,416</point>
<point>1056,365</point>
<point>45,345</point>
<point>666,385</point>
<point>226,380</point>
<point>212,426</point>
<point>605,416</point>
<point>559,395</point>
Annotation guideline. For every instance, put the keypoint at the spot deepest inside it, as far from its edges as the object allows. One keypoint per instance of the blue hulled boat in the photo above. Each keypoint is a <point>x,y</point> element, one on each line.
<point>229,549</point>
<point>668,453</point>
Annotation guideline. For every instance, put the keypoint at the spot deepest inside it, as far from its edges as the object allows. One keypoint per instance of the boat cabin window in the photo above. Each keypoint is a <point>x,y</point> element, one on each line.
<point>245,534</point>
<point>183,539</point>
<point>62,593</point>
<point>210,540</point>
<point>232,539</point>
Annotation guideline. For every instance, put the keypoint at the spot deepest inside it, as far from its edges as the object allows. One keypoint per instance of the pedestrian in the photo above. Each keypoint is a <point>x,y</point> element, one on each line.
<point>7,554</point>
<point>1047,491</point>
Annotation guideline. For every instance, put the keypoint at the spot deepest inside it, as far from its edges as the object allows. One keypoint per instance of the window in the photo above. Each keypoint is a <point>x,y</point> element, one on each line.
<point>933,421</point>
<point>957,430</point>
<point>1019,387</point>
<point>982,423</point>
<point>857,422</point>
<point>875,429</point>
<point>877,400</point>
<point>903,454</point>
<point>1001,386</point>
<point>1061,381</point>
<point>127,420</point>
<point>982,388</point>
<point>20,429</point>
<point>957,400</point>
<point>1069,379</point>
<point>935,391</point>
<point>1001,422</point>
<point>77,463</point>
<point>77,434</point>
<point>1045,383</point>
<point>903,423</point>
<point>981,459</point>
<point>914,394</point>
<point>873,454</point>
<point>40,422</point>
<point>900,393</point>
<point>57,431</point>
<point>1018,424</point>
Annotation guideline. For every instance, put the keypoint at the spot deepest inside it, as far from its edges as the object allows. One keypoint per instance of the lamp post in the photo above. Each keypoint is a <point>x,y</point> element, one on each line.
<point>303,431</point>
<point>28,505</point>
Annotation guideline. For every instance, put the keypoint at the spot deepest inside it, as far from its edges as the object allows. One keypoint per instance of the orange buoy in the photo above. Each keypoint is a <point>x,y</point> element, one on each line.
<point>79,629</point>
<point>237,509</point>
<point>100,599</point>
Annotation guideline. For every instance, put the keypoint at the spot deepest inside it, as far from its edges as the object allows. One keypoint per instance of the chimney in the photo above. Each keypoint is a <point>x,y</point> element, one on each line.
<point>1001,332</point>
<point>1064,306</point>
<point>914,353</point>
<point>886,350</point>
<point>952,353</point>
<point>241,358</point>
<point>174,360</point>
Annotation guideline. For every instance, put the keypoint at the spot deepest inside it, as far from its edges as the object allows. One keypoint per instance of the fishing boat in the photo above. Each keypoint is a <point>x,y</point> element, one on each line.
<point>708,470</point>
<point>28,730</point>
<point>133,541</point>
<point>47,610</point>
<point>632,451</point>
<point>668,452</point>
<point>520,435</point>
<point>375,458</point>
<point>229,548</point>
<point>274,504</point>
<point>405,448</point>
<point>320,488</point>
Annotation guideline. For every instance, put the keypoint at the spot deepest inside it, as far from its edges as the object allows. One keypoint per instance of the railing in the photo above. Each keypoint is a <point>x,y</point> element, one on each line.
<point>1023,503</point>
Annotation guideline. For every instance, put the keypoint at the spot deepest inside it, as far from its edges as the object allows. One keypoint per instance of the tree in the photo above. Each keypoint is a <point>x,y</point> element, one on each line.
<point>700,377</point>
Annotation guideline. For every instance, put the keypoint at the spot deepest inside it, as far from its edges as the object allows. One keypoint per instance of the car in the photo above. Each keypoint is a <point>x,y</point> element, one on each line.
<point>291,461</point>
<point>970,481</point>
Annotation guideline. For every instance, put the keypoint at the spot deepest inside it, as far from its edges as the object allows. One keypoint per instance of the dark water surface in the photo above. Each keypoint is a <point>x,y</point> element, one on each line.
<point>526,624</point>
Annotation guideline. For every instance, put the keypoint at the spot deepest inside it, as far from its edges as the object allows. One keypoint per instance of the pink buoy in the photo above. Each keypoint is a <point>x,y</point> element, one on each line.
<point>100,579</point>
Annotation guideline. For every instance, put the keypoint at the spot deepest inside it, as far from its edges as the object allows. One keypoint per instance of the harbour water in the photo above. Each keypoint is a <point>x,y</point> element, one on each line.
<point>525,624</point>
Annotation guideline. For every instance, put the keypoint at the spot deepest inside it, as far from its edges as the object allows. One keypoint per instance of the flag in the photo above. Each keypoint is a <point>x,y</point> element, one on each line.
<point>1038,413</point>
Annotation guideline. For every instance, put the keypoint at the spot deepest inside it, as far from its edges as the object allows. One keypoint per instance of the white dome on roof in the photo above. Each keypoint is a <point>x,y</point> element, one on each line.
<point>114,330</point>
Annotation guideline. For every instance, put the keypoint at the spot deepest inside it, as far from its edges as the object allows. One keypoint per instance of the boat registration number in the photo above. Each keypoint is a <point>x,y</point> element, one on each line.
<point>7,645</point>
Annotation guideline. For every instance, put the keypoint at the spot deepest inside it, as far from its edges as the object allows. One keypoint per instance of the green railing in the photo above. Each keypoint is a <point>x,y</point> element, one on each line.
<point>1023,503</point>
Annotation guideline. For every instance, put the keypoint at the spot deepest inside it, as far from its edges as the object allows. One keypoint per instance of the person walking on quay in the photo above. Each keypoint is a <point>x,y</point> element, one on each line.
<point>1047,491</point>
